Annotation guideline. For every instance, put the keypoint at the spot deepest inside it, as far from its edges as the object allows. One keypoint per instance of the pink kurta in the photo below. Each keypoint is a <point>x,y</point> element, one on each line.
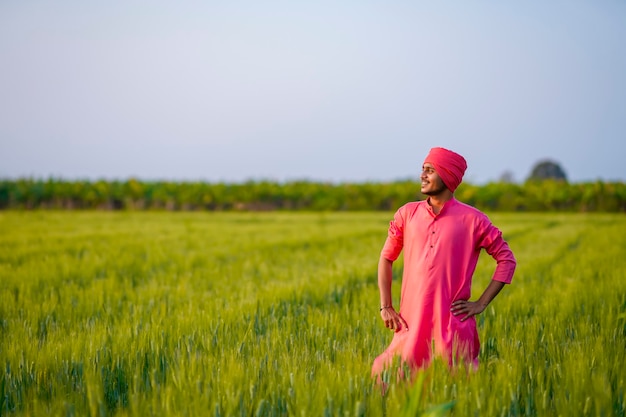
<point>440,256</point>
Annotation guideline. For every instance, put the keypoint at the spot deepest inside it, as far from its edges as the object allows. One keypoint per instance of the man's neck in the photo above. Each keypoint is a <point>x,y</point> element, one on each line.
<point>437,201</point>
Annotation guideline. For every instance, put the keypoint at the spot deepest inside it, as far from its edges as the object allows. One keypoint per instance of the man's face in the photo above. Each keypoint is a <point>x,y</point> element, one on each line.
<point>432,184</point>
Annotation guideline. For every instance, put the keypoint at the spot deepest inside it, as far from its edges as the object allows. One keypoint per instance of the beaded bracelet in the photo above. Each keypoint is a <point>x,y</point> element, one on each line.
<point>384,307</point>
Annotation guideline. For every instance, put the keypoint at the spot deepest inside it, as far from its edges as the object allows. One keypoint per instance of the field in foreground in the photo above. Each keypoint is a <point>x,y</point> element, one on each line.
<point>272,314</point>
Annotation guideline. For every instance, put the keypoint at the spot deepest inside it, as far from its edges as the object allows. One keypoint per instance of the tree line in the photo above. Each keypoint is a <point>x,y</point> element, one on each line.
<point>132,194</point>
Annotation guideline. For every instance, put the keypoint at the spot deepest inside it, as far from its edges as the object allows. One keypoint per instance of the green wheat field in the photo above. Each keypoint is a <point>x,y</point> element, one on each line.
<point>276,314</point>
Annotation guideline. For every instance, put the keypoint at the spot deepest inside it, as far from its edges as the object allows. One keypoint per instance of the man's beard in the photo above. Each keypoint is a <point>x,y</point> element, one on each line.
<point>437,191</point>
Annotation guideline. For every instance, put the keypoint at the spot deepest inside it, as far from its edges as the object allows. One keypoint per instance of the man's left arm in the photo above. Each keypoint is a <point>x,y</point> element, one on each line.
<point>495,245</point>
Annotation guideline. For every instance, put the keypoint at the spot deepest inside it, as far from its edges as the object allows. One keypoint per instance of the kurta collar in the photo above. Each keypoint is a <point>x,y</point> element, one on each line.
<point>448,203</point>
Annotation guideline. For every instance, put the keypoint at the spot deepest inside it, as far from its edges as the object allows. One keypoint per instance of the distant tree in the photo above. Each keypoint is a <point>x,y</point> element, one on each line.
<point>547,169</point>
<point>507,177</point>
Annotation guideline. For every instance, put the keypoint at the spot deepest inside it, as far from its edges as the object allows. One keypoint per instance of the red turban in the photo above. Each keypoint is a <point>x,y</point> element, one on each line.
<point>449,165</point>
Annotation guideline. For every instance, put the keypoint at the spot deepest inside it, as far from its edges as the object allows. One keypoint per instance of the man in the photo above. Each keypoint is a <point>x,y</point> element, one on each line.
<point>442,239</point>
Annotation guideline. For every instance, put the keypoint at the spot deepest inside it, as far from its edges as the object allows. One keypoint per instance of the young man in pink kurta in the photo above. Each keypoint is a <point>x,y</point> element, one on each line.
<point>441,239</point>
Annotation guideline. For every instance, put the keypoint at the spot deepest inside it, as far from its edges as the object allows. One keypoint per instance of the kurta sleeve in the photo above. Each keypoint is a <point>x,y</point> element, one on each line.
<point>495,245</point>
<point>395,237</point>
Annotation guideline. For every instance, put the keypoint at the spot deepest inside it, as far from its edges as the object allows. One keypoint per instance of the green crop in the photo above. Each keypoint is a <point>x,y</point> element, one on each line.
<point>276,314</point>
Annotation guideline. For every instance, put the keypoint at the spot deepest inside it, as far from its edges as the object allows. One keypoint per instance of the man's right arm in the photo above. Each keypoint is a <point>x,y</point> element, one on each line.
<point>388,313</point>
<point>385,277</point>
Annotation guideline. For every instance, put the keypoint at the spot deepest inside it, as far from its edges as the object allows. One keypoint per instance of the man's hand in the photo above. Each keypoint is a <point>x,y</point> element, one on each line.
<point>393,321</point>
<point>469,308</point>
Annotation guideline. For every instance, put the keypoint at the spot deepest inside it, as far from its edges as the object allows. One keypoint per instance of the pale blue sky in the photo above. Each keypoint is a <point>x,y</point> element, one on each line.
<point>332,91</point>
